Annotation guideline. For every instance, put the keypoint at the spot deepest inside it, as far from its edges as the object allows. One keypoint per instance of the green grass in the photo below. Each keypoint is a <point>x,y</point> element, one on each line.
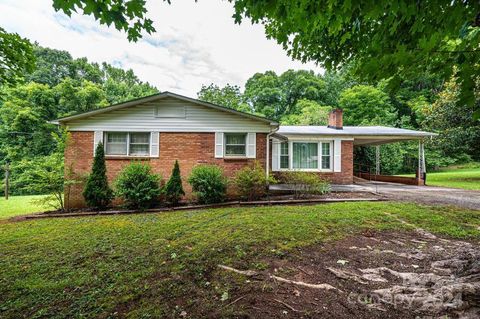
<point>466,177</point>
<point>157,265</point>
<point>19,205</point>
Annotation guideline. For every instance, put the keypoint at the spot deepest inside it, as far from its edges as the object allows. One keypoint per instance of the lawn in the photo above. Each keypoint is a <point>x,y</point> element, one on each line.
<point>466,177</point>
<point>19,205</point>
<point>165,264</point>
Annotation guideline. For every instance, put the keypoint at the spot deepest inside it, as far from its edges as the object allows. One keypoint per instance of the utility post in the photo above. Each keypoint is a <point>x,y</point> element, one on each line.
<point>7,176</point>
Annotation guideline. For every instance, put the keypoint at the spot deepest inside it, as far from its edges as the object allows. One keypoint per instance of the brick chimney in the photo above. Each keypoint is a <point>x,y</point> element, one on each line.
<point>335,119</point>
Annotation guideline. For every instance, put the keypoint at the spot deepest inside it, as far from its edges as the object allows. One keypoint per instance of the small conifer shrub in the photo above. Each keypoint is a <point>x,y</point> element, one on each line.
<point>174,189</point>
<point>97,193</point>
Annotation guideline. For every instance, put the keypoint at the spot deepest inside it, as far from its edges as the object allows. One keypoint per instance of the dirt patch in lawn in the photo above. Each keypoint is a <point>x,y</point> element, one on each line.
<point>373,275</point>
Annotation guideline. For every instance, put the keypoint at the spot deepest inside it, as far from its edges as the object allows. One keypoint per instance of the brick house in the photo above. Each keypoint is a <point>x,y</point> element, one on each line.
<point>165,127</point>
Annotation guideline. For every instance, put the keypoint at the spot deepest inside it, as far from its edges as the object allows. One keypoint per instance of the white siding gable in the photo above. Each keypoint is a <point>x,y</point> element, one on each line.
<point>168,115</point>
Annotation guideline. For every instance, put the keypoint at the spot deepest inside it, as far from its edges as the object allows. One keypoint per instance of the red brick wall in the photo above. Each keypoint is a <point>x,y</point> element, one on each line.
<point>78,160</point>
<point>393,179</point>
<point>189,149</point>
<point>346,175</point>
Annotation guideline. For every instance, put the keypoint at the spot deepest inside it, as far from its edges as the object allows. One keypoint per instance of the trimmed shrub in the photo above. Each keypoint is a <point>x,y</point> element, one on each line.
<point>97,193</point>
<point>208,184</point>
<point>304,183</point>
<point>138,186</point>
<point>173,189</point>
<point>251,182</point>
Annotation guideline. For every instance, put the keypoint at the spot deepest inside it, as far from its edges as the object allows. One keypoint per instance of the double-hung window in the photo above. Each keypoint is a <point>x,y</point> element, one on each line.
<point>326,155</point>
<point>235,144</point>
<point>139,144</point>
<point>127,144</point>
<point>284,155</point>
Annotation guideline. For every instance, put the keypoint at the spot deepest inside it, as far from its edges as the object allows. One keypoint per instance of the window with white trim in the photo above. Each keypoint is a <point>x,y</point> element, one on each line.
<point>139,144</point>
<point>326,155</point>
<point>306,155</point>
<point>284,156</point>
<point>235,144</point>
<point>127,143</point>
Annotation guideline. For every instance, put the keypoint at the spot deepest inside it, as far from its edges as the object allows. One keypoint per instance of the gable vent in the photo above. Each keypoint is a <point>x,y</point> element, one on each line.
<point>170,111</point>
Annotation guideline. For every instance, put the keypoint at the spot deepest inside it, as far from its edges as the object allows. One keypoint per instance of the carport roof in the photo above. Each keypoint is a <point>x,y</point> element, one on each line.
<point>363,135</point>
<point>352,131</point>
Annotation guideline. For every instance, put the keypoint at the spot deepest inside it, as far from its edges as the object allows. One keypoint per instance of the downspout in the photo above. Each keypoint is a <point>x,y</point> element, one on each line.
<point>267,162</point>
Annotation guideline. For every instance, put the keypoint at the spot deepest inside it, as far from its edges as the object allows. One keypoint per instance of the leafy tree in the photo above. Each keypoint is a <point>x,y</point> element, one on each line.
<point>336,82</point>
<point>16,57</point>
<point>459,133</point>
<point>264,95</point>
<point>228,96</point>
<point>79,96</point>
<point>128,16</point>
<point>366,105</point>
<point>422,89</point>
<point>96,192</point>
<point>120,85</point>
<point>277,96</point>
<point>392,158</point>
<point>24,129</point>
<point>378,39</point>
<point>53,66</point>
<point>174,189</point>
<point>59,86</point>
<point>310,113</point>
<point>381,39</point>
<point>301,84</point>
<point>44,175</point>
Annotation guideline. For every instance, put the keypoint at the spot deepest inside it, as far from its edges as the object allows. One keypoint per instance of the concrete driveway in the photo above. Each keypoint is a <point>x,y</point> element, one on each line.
<point>422,194</point>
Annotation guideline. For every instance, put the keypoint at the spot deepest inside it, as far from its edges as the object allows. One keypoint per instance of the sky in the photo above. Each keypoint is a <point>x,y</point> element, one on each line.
<point>196,43</point>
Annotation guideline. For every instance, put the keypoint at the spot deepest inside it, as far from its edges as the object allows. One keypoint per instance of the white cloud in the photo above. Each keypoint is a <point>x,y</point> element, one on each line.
<point>196,43</point>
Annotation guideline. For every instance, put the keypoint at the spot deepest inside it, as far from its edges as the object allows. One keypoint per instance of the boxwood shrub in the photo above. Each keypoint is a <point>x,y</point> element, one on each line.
<point>138,186</point>
<point>208,183</point>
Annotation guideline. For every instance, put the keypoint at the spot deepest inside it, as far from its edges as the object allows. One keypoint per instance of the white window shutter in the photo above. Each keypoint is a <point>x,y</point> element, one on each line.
<point>154,144</point>
<point>251,145</point>
<point>337,155</point>
<point>97,138</point>
<point>275,156</point>
<point>218,144</point>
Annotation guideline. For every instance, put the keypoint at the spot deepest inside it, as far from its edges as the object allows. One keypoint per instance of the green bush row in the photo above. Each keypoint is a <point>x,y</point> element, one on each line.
<point>140,188</point>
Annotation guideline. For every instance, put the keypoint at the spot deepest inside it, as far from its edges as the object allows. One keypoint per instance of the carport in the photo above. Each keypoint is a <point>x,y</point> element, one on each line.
<point>333,158</point>
<point>376,136</point>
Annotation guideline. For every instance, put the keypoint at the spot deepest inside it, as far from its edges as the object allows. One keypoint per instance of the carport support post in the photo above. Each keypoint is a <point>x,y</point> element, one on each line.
<point>421,160</point>
<point>377,160</point>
